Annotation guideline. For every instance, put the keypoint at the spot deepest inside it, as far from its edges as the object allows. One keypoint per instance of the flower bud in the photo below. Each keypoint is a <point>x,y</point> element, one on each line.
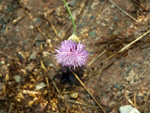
<point>74,38</point>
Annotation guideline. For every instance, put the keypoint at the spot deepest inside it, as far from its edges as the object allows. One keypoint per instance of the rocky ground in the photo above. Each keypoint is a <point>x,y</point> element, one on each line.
<point>32,81</point>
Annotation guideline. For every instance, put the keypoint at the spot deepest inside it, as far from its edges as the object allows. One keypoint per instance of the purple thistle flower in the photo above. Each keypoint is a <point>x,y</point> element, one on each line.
<point>71,54</point>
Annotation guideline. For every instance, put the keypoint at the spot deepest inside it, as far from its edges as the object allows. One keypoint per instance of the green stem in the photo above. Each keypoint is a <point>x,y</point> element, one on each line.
<point>74,27</point>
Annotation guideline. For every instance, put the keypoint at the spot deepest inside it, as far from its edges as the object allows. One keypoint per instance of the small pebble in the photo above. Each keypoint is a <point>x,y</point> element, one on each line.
<point>51,65</point>
<point>17,78</point>
<point>128,109</point>
<point>118,93</point>
<point>116,19</point>
<point>103,25</point>
<point>92,17</point>
<point>33,56</point>
<point>21,56</point>
<point>104,101</point>
<point>121,64</point>
<point>115,33</point>
<point>112,6</point>
<point>40,85</point>
<point>93,34</point>
<point>74,94</point>
<point>30,67</point>
<point>2,62</point>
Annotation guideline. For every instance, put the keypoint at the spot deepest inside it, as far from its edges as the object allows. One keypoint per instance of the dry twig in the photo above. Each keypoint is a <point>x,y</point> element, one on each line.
<point>124,11</point>
<point>82,103</point>
<point>88,92</point>
<point>101,54</point>
<point>128,45</point>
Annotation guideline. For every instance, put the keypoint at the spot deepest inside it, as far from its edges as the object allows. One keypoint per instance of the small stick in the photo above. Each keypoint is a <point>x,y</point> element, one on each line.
<point>128,45</point>
<point>96,58</point>
<point>31,18</point>
<point>134,41</point>
<point>88,92</point>
<point>10,108</point>
<point>123,11</point>
<point>9,57</point>
<point>81,103</point>
<point>18,19</point>
<point>53,27</point>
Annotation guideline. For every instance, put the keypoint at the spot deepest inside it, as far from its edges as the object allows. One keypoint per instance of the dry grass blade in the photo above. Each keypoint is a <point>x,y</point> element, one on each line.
<point>81,103</point>
<point>10,58</point>
<point>18,19</point>
<point>31,18</point>
<point>146,103</point>
<point>47,81</point>
<point>53,27</point>
<point>128,98</point>
<point>39,30</point>
<point>42,65</point>
<point>135,100</point>
<point>127,46</point>
<point>123,11</point>
<point>10,108</point>
<point>96,58</point>
<point>88,92</point>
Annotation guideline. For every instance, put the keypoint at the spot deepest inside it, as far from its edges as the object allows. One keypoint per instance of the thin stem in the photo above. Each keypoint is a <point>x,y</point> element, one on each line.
<point>74,27</point>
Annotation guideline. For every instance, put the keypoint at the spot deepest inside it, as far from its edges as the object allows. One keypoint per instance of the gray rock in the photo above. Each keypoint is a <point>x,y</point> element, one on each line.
<point>115,33</point>
<point>93,34</point>
<point>128,109</point>
<point>21,56</point>
<point>33,56</point>
<point>92,17</point>
<point>121,64</point>
<point>116,19</point>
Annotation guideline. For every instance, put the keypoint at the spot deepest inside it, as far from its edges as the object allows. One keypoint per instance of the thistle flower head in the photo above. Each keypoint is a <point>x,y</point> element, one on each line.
<point>71,54</point>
